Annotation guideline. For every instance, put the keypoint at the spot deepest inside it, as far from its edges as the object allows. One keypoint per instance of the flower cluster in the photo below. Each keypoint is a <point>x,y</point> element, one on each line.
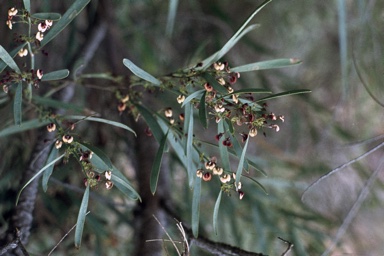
<point>12,12</point>
<point>212,169</point>
<point>11,77</point>
<point>42,27</point>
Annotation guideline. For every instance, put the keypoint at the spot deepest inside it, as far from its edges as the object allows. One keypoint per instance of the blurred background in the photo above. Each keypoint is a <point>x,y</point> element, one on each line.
<point>340,43</point>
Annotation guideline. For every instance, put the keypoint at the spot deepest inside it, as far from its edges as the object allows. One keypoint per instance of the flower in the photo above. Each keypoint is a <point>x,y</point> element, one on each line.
<point>217,170</point>
<point>218,66</point>
<point>108,184</point>
<point>9,24</point>
<point>208,87</point>
<point>225,178</point>
<point>241,194</point>
<point>42,27</point>
<point>221,81</point>
<point>121,106</point>
<point>39,74</point>
<point>207,176</point>
<point>67,138</point>
<point>275,127</point>
<point>281,118</point>
<point>199,173</point>
<point>125,99</point>
<point>168,112</point>
<point>58,144</point>
<point>253,132</point>
<point>219,108</point>
<point>39,36</point>
<point>180,99</point>
<point>49,23</point>
<point>23,52</point>
<point>210,165</point>
<point>86,155</point>
<point>51,127</point>
<point>12,12</point>
<point>108,175</point>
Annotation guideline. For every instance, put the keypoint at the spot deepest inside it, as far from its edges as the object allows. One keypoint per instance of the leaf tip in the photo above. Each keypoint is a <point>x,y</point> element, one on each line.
<point>294,61</point>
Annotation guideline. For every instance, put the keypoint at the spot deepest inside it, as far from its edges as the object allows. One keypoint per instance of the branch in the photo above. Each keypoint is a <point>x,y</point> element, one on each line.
<point>22,216</point>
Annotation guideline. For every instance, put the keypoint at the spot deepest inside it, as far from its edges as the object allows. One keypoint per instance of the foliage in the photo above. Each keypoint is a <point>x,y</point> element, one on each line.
<point>201,116</point>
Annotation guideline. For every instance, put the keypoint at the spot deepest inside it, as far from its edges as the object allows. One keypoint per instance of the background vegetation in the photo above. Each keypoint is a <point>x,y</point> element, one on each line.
<point>340,44</point>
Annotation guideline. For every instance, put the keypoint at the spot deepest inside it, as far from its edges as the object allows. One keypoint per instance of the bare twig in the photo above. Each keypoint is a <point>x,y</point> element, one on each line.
<point>290,245</point>
<point>170,238</point>
<point>16,243</point>
<point>66,234</point>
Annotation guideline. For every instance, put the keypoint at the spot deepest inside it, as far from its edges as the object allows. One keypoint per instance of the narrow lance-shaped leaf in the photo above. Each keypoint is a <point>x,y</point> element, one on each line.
<point>269,64</point>
<point>196,207</point>
<point>250,90</point>
<point>171,16</point>
<point>8,60</point>
<point>156,167</point>
<point>223,149</point>
<point>25,126</point>
<point>192,96</point>
<point>47,16</point>
<point>56,75</point>
<point>36,175</point>
<point>216,212</point>
<point>203,112</point>
<point>234,39</point>
<point>12,53</point>
<point>81,218</point>
<point>189,145</point>
<point>100,120</point>
<point>283,94</point>
<point>102,156</point>
<point>17,104</point>
<point>141,73</point>
<point>238,150</point>
<point>67,18</point>
<point>27,5</point>
<point>241,163</point>
<point>51,158</point>
<point>151,122</point>
<point>123,185</point>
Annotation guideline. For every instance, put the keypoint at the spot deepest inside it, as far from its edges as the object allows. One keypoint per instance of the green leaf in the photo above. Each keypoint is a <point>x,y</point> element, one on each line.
<point>241,163</point>
<point>269,64</point>
<point>100,154</point>
<point>24,126</point>
<point>17,104</point>
<point>196,207</point>
<point>47,16</point>
<point>283,94</point>
<point>156,167</point>
<point>36,175</point>
<point>51,158</point>
<point>27,5</point>
<point>234,39</point>
<point>67,18</point>
<point>8,60</point>
<point>189,146</point>
<point>12,53</point>
<point>81,218</point>
<point>194,95</point>
<point>141,73</point>
<point>238,150</point>
<point>49,102</point>
<point>100,120</point>
<point>203,112</point>
<point>216,212</point>
<point>257,183</point>
<point>254,166</point>
<point>151,122</point>
<point>121,183</point>
<point>56,75</point>
<point>250,90</point>
<point>223,149</point>
<point>171,16</point>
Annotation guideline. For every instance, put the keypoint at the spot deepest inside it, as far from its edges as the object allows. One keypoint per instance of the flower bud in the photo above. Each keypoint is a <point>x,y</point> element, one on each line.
<point>180,99</point>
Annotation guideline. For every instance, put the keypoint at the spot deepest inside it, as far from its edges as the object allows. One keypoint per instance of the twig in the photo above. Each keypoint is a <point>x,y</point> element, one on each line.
<point>290,245</point>
<point>16,243</point>
<point>170,238</point>
<point>355,208</point>
<point>66,234</point>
